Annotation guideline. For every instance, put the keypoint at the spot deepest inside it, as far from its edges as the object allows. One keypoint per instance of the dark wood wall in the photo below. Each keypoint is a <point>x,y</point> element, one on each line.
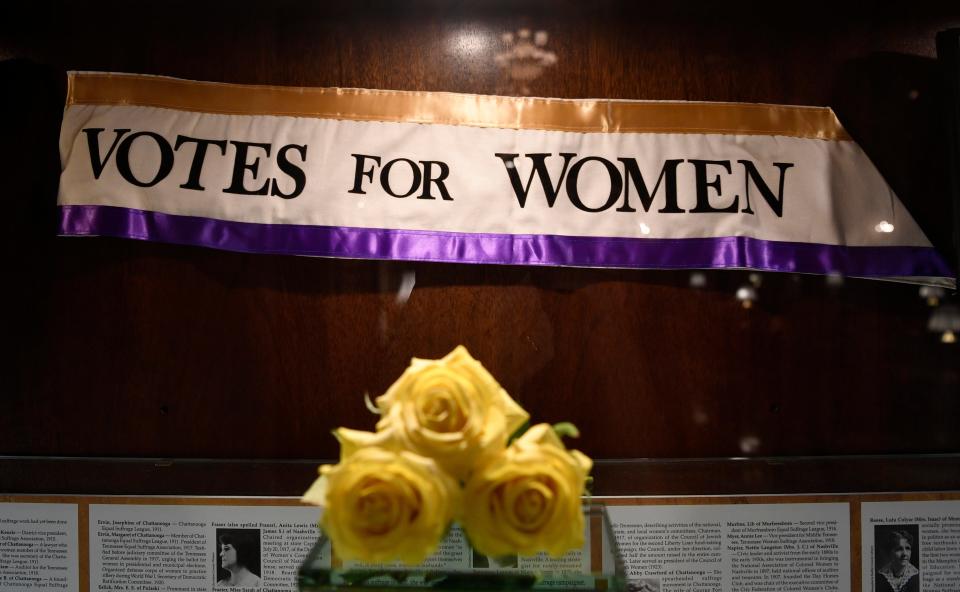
<point>123,348</point>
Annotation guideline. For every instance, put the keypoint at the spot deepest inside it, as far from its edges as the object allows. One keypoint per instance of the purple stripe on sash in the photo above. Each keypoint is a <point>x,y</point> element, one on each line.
<point>419,245</point>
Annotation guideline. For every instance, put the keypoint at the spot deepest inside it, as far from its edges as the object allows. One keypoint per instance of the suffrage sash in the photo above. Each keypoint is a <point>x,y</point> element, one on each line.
<point>430,176</point>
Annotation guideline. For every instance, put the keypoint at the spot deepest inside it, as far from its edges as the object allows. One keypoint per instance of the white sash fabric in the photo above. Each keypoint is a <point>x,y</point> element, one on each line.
<point>464,178</point>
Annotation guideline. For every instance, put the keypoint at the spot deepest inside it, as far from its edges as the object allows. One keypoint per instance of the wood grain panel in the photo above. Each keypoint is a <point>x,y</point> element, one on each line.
<point>122,348</point>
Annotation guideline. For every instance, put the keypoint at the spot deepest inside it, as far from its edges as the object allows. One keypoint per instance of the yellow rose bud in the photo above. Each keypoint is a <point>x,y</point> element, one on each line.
<point>451,410</point>
<point>527,499</point>
<point>382,505</point>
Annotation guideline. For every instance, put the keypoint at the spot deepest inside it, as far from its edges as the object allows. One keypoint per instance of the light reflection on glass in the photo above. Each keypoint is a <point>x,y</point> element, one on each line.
<point>945,320</point>
<point>749,444</point>
<point>407,281</point>
<point>932,294</point>
<point>525,58</point>
<point>698,279</point>
<point>469,43</point>
<point>700,417</point>
<point>747,295</point>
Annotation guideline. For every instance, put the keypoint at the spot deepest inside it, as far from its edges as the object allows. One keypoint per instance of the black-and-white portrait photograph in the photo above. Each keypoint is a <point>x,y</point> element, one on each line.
<point>238,558</point>
<point>481,561</point>
<point>644,585</point>
<point>897,557</point>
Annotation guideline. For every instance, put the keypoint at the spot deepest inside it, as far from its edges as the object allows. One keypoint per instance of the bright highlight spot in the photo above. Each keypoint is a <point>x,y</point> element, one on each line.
<point>407,282</point>
<point>749,444</point>
<point>469,43</point>
<point>698,279</point>
<point>746,293</point>
<point>884,226</point>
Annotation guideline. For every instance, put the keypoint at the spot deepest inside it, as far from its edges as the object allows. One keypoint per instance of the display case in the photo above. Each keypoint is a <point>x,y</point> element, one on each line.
<point>139,368</point>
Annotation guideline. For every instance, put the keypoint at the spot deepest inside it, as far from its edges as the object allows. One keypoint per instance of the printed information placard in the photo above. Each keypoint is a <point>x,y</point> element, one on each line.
<point>38,547</point>
<point>742,547</point>
<point>911,546</point>
<point>760,543</point>
<point>184,548</point>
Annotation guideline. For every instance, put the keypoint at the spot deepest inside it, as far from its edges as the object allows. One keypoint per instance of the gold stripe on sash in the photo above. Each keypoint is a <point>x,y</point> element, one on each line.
<point>573,115</point>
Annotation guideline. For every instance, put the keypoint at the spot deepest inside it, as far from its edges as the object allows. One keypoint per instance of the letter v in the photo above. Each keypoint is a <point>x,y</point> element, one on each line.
<point>93,143</point>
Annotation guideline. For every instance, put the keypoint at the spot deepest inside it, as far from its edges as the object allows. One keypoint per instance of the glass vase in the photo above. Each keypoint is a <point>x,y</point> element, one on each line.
<point>457,566</point>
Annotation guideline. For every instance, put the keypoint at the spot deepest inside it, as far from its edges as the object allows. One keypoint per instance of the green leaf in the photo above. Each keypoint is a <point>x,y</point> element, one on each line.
<point>370,406</point>
<point>566,429</point>
<point>520,431</point>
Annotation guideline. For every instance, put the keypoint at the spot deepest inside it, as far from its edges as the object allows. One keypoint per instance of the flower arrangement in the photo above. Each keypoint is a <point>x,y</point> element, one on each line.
<point>442,452</point>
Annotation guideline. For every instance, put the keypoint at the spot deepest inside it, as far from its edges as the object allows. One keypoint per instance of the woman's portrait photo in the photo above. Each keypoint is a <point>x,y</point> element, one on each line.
<point>481,561</point>
<point>644,585</point>
<point>897,557</point>
<point>238,558</point>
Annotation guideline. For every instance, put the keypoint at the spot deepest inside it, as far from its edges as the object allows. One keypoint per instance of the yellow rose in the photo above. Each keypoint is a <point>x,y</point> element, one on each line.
<point>527,499</point>
<point>451,410</point>
<point>381,505</point>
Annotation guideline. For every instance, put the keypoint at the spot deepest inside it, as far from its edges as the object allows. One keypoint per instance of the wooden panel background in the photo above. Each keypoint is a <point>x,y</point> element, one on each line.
<point>123,348</point>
